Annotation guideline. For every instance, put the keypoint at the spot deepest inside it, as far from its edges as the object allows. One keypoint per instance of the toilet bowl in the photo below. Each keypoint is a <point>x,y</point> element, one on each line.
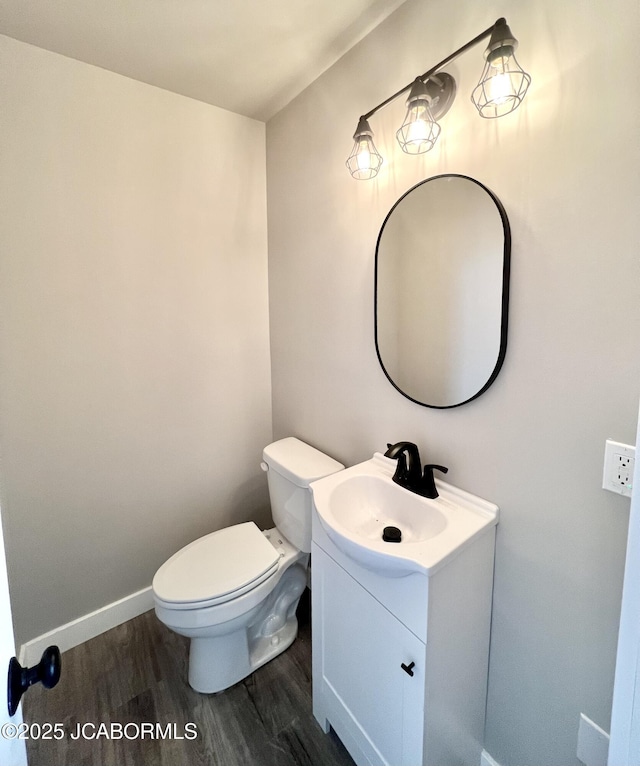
<point>234,592</point>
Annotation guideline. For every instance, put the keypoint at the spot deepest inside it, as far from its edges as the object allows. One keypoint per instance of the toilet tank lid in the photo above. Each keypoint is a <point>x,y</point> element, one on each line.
<point>299,462</point>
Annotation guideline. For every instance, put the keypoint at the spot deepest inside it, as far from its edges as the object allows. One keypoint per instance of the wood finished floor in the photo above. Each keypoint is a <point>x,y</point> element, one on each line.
<point>137,673</point>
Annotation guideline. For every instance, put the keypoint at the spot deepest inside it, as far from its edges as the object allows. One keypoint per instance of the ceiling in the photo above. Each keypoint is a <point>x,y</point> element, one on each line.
<point>249,56</point>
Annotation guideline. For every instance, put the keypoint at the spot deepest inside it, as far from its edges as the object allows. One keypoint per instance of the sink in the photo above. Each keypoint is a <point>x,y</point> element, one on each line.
<point>355,505</point>
<point>364,505</point>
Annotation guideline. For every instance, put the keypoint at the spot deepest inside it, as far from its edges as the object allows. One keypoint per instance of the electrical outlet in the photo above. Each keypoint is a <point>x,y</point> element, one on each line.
<point>619,460</point>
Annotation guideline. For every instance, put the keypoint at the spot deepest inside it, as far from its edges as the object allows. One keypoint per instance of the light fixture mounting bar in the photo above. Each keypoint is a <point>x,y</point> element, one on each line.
<point>437,67</point>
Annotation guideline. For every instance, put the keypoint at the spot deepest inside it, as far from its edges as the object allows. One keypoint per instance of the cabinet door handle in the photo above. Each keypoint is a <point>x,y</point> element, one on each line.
<point>408,668</point>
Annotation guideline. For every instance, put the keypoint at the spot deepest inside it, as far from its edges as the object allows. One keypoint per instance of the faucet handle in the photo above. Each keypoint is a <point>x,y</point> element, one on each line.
<point>431,467</point>
<point>428,484</point>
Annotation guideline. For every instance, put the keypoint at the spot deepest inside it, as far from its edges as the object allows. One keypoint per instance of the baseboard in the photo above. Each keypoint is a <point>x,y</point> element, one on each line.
<point>89,626</point>
<point>487,760</point>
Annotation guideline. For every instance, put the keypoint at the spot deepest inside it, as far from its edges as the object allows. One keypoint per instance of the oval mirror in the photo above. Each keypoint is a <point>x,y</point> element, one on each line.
<point>442,291</point>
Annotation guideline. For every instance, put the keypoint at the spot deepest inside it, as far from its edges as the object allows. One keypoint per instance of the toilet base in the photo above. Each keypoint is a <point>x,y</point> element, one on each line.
<point>220,661</point>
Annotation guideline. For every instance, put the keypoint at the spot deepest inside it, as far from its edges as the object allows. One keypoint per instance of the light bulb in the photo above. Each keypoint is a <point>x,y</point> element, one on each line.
<point>499,88</point>
<point>418,128</point>
<point>499,85</point>
<point>363,157</point>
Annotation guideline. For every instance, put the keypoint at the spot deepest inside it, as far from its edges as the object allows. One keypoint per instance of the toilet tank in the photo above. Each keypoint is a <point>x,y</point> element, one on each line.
<point>291,465</point>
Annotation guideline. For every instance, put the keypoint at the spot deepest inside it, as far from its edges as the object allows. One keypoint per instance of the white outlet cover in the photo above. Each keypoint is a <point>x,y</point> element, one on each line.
<point>619,461</point>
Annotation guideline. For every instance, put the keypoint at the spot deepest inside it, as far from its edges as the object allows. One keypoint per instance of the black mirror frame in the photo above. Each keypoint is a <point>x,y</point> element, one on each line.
<point>506,273</point>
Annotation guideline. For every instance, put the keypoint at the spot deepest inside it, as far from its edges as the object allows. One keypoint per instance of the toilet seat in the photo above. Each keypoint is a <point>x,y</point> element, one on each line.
<point>216,568</point>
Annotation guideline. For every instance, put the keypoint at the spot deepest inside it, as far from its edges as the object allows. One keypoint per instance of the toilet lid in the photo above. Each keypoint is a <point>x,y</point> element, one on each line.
<point>217,565</point>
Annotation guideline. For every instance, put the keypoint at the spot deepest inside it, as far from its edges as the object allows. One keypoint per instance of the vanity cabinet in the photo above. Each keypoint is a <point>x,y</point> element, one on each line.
<point>400,663</point>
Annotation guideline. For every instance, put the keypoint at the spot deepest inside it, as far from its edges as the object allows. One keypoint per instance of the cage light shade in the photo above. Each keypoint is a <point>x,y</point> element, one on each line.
<point>503,83</point>
<point>364,160</point>
<point>419,131</point>
<point>501,88</point>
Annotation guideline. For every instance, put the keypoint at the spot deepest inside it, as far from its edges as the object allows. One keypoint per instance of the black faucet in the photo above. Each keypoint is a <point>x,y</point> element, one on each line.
<point>409,473</point>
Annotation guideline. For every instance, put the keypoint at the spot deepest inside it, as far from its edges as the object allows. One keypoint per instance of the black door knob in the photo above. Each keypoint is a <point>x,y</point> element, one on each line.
<point>408,668</point>
<point>47,672</point>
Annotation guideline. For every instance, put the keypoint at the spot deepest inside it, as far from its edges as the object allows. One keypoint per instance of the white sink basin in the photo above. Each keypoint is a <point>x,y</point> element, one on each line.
<point>355,505</point>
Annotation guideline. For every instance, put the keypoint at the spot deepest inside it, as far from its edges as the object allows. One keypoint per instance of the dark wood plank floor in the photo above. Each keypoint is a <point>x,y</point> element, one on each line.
<point>137,673</point>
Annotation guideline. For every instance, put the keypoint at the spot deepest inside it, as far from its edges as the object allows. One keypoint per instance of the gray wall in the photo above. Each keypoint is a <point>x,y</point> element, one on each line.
<point>134,350</point>
<point>565,166</point>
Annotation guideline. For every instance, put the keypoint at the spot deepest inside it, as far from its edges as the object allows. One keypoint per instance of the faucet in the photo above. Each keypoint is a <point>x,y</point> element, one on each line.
<point>408,472</point>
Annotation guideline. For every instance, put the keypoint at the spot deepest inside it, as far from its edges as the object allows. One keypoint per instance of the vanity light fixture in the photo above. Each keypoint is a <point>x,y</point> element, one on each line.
<point>501,88</point>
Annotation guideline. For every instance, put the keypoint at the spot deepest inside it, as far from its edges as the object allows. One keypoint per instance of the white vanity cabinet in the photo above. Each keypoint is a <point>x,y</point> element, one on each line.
<point>400,663</point>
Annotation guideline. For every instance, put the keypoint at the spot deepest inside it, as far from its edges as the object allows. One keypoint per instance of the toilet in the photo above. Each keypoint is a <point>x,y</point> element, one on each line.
<point>234,592</point>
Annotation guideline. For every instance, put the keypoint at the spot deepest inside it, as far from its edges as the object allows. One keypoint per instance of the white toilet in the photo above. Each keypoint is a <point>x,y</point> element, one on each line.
<point>234,592</point>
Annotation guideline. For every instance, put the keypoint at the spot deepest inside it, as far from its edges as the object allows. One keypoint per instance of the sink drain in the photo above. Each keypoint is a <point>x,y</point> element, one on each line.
<point>391,535</point>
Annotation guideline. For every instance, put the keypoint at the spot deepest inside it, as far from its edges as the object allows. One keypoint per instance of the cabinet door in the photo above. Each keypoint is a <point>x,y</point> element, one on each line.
<point>363,648</point>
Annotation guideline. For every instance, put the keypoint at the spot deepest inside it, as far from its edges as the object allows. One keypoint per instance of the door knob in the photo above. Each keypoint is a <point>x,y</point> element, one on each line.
<point>47,672</point>
<point>408,668</point>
